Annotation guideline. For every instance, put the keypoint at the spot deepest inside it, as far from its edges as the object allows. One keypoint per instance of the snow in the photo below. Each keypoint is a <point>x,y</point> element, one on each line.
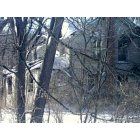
<point>60,62</point>
<point>9,116</point>
<point>37,65</point>
<point>57,54</point>
<point>6,72</point>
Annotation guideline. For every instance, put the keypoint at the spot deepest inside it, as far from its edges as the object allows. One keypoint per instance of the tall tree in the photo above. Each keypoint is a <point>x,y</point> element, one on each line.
<point>45,76</point>
<point>24,37</point>
<point>111,55</point>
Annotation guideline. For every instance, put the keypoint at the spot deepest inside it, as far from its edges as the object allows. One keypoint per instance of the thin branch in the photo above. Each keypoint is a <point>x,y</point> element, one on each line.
<point>5,67</point>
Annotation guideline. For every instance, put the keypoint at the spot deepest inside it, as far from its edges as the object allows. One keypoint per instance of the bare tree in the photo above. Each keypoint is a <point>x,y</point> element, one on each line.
<point>25,37</point>
<point>92,76</point>
<point>45,76</point>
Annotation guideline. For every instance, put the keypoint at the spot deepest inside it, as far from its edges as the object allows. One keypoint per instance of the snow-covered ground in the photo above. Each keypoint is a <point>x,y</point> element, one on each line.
<point>8,116</point>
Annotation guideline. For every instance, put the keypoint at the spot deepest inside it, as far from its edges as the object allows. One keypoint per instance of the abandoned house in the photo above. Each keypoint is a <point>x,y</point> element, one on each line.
<point>84,76</point>
<point>90,75</point>
<point>61,63</point>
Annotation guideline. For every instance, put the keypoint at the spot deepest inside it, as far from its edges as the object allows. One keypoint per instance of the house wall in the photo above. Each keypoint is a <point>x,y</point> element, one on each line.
<point>30,95</point>
<point>134,52</point>
<point>78,71</point>
<point>58,86</point>
<point>132,63</point>
<point>9,97</point>
<point>40,52</point>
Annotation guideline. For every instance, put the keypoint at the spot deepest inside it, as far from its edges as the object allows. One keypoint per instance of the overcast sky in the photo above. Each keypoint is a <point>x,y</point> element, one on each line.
<point>66,30</point>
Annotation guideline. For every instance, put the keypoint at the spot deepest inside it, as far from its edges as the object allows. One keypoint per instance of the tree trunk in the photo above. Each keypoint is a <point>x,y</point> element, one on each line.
<point>111,43</point>
<point>111,46</point>
<point>21,86</point>
<point>45,76</point>
<point>21,37</point>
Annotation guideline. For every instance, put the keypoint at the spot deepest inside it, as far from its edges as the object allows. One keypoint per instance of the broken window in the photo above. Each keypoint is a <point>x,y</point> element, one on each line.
<point>123,78</point>
<point>123,44</point>
<point>30,84</point>
<point>9,82</point>
<point>123,52</point>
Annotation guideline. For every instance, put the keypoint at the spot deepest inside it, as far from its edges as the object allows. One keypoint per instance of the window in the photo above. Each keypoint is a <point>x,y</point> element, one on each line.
<point>9,82</point>
<point>30,84</point>
<point>123,78</point>
<point>123,52</point>
<point>95,47</point>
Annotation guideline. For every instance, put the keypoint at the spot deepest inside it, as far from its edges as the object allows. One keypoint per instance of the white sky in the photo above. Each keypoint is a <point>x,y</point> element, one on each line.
<point>66,30</point>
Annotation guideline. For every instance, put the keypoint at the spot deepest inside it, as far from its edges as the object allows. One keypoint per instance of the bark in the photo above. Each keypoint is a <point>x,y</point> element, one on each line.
<point>111,46</point>
<point>21,25</point>
<point>111,43</point>
<point>45,76</point>
<point>24,40</point>
<point>21,86</point>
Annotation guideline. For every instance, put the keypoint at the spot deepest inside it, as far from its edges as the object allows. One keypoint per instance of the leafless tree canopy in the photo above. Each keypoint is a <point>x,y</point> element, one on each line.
<point>86,66</point>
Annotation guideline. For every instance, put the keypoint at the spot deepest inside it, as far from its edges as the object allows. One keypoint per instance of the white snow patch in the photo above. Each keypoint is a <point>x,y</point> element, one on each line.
<point>8,116</point>
<point>60,62</point>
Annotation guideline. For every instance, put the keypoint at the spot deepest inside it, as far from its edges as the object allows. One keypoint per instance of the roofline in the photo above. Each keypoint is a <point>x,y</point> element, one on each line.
<point>127,22</point>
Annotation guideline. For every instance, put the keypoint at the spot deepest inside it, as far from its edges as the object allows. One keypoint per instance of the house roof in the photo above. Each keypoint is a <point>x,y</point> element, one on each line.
<point>60,63</point>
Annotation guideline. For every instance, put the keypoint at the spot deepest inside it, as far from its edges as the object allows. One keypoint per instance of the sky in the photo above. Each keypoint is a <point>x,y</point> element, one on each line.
<point>66,31</point>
